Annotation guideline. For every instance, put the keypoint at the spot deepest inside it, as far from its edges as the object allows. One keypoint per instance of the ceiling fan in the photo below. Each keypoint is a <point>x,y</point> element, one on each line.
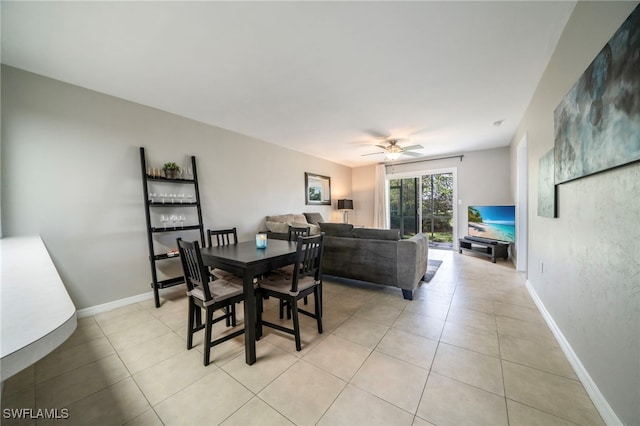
<point>393,151</point>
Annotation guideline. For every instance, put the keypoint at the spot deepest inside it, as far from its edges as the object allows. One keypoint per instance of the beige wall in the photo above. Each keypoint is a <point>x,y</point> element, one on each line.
<point>71,173</point>
<point>363,180</point>
<point>590,283</point>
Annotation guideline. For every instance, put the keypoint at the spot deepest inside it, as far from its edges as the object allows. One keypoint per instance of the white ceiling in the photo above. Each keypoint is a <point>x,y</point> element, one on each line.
<point>320,77</point>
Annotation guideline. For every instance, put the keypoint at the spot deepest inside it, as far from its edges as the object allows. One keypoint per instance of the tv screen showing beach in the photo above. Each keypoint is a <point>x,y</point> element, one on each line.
<point>493,222</point>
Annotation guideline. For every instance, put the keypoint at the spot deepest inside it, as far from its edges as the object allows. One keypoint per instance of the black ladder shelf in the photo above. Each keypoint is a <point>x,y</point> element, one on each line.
<point>151,230</point>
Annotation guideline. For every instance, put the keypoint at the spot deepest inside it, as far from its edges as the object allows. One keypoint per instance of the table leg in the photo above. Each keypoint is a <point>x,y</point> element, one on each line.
<point>249,319</point>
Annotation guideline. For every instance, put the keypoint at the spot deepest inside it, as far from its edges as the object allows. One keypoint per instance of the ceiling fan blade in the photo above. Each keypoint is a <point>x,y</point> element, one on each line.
<point>361,142</point>
<point>376,134</point>
<point>381,146</point>
<point>409,148</point>
<point>412,154</point>
<point>372,153</point>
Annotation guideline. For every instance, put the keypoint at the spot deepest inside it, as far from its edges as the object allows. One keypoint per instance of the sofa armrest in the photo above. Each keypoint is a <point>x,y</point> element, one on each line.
<point>412,261</point>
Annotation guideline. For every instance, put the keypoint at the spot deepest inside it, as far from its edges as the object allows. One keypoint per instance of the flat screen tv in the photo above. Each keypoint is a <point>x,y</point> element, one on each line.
<point>493,222</point>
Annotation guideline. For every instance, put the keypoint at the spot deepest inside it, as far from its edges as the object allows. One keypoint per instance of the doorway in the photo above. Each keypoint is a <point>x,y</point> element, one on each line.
<point>522,177</point>
<point>424,203</point>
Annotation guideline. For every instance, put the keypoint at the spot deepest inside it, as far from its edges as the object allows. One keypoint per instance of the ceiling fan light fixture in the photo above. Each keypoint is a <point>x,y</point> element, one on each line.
<point>394,155</point>
<point>393,150</point>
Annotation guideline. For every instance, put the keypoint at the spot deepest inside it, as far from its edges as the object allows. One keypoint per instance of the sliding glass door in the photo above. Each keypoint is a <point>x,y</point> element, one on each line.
<point>424,204</point>
<point>437,208</point>
<point>403,212</point>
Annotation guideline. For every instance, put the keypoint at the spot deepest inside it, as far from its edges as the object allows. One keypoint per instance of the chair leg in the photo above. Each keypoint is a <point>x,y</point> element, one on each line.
<point>318,310</point>
<point>198,315</point>
<point>306,300</point>
<point>283,304</point>
<point>190,324</point>
<point>259,309</point>
<point>296,322</point>
<point>233,315</point>
<point>227,313</point>
<point>207,337</point>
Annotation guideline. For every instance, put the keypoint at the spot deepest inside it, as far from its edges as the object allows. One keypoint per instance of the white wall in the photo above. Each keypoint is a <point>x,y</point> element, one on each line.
<point>483,178</point>
<point>71,173</point>
<point>591,280</point>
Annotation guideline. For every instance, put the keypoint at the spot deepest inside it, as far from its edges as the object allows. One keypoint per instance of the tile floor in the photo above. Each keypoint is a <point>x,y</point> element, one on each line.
<point>470,349</point>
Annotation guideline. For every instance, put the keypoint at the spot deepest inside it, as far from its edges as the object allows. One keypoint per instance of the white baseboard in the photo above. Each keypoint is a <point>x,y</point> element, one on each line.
<point>602,405</point>
<point>105,307</point>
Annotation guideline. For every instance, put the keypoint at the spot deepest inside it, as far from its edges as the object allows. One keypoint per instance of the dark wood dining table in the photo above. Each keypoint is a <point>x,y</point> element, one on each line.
<point>246,260</point>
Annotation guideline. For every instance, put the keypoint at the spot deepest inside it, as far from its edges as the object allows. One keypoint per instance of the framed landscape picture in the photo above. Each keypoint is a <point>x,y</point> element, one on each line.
<point>317,189</point>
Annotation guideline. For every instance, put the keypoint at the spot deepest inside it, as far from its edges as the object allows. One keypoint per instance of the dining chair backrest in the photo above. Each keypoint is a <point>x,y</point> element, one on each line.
<point>196,274</point>
<point>309,259</point>
<point>298,231</point>
<point>224,237</point>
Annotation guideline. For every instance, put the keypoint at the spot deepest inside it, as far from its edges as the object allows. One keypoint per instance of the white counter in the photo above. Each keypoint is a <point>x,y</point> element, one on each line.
<point>36,312</point>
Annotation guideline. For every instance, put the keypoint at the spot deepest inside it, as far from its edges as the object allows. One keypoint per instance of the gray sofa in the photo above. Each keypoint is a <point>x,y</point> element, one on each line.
<point>374,255</point>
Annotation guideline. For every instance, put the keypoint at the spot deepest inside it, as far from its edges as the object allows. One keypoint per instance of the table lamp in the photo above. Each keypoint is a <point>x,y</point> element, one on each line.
<point>345,205</point>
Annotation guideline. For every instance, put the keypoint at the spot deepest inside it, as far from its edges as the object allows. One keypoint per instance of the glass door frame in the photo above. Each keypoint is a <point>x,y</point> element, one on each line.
<point>418,174</point>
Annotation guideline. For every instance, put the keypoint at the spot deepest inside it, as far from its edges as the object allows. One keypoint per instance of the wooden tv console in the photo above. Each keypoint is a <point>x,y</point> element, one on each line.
<point>483,247</point>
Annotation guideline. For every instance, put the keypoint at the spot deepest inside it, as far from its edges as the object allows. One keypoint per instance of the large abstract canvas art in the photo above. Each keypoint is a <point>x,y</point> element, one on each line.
<point>597,124</point>
<point>546,186</point>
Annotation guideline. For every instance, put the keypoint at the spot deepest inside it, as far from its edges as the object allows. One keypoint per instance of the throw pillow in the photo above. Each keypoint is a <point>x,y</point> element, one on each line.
<point>280,227</point>
<point>300,218</point>
<point>285,218</point>
<point>314,218</point>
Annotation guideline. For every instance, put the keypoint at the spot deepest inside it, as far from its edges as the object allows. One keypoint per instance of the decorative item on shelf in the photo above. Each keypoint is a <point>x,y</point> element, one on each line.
<point>345,205</point>
<point>187,173</point>
<point>154,172</point>
<point>171,170</point>
<point>261,240</point>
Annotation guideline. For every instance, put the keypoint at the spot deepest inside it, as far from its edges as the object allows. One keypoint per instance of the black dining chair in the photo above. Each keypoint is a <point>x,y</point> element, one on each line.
<point>298,231</point>
<point>223,237</point>
<point>305,280</point>
<point>208,295</point>
<point>293,234</point>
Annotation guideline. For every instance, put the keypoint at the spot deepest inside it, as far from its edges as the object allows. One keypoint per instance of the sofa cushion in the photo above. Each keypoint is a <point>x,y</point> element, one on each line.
<point>344,230</point>
<point>314,218</point>
<point>377,234</point>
